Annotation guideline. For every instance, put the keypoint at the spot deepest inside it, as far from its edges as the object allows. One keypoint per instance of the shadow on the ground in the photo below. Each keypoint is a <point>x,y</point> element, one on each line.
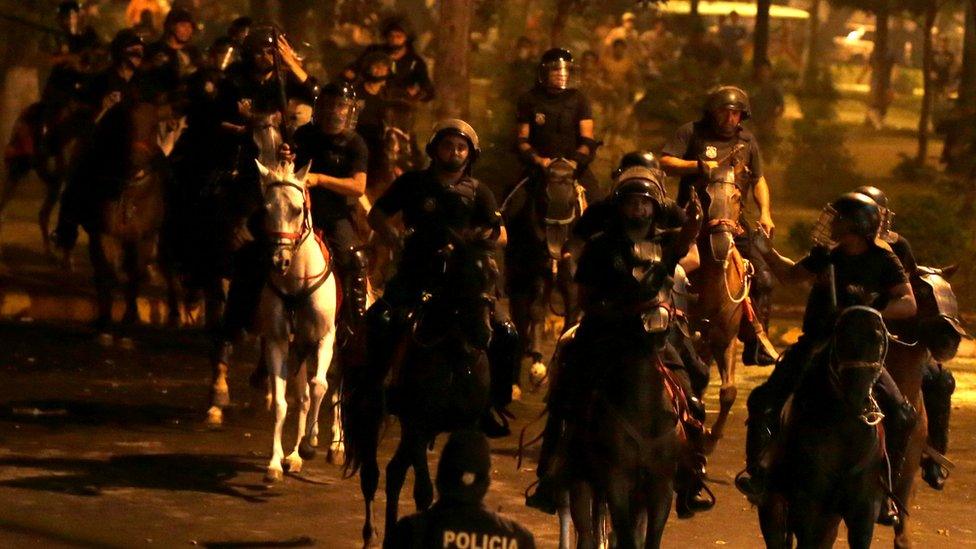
<point>204,473</point>
<point>56,413</point>
<point>303,541</point>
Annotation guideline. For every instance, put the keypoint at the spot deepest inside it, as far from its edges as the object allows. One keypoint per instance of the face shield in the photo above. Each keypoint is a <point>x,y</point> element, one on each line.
<point>822,233</point>
<point>557,74</point>
<point>338,114</point>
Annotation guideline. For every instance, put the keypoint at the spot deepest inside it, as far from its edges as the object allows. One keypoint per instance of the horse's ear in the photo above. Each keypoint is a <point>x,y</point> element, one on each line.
<point>303,173</point>
<point>264,171</point>
<point>949,270</point>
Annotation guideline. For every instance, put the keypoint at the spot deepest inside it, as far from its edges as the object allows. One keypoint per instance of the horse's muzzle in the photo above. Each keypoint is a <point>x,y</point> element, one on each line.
<point>281,259</point>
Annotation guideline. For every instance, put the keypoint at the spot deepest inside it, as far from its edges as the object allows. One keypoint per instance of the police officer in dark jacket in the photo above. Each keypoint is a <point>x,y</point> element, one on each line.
<point>459,517</point>
<point>556,121</point>
<point>409,78</point>
<point>73,54</point>
<point>337,178</point>
<point>862,266</point>
<point>173,58</point>
<point>718,139</point>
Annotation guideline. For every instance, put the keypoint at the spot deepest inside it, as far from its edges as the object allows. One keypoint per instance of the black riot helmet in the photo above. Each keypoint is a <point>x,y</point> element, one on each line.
<point>728,97</point>
<point>639,180</point>
<point>124,40</point>
<point>887,215</point>
<point>337,108</point>
<point>67,7</point>
<point>644,159</point>
<point>850,213</point>
<point>259,39</point>
<point>178,15</point>
<point>559,61</point>
<point>454,126</point>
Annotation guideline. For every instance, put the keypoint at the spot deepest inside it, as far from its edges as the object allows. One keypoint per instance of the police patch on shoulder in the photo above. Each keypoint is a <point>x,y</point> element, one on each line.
<point>430,204</point>
<point>540,118</point>
<point>711,152</point>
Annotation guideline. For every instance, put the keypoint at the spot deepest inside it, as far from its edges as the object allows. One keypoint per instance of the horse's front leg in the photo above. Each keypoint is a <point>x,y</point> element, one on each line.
<point>725,361</point>
<point>583,518</point>
<point>275,354</point>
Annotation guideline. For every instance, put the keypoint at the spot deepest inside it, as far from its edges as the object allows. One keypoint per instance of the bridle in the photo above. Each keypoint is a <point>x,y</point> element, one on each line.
<point>293,241</point>
<point>873,416</point>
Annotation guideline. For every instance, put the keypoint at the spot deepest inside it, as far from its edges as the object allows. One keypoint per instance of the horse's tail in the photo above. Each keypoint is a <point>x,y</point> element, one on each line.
<point>363,410</point>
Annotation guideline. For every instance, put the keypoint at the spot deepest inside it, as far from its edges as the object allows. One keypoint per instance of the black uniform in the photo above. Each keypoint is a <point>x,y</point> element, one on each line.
<point>65,81</point>
<point>553,119</point>
<point>409,70</point>
<point>342,155</point>
<point>370,123</point>
<point>698,141</point>
<point>429,210</point>
<point>455,525</point>
<point>171,67</point>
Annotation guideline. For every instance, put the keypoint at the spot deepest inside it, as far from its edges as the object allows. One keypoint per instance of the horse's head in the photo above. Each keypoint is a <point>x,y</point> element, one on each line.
<point>858,349</point>
<point>939,327</point>
<point>558,203</point>
<point>287,221</point>
<point>462,297</point>
<point>267,137</point>
<point>724,209</point>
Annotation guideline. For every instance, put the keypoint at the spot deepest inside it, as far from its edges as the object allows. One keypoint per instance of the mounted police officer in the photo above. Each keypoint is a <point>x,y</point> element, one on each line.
<point>437,204</point>
<point>642,223</point>
<point>848,265</point>
<point>938,383</point>
<point>73,55</point>
<point>337,178</point>
<point>718,139</point>
<point>173,58</point>
<point>115,85</point>
<point>409,78</point>
<point>555,120</point>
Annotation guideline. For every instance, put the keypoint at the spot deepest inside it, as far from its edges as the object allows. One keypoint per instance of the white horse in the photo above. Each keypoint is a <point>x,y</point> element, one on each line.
<point>296,316</point>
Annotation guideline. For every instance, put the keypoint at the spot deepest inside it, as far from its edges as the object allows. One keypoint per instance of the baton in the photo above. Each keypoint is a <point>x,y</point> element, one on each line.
<point>282,93</point>
<point>832,277</point>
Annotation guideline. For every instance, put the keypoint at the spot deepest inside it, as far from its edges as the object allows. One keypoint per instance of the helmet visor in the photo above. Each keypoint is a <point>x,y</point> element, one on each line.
<point>822,233</point>
<point>338,114</point>
<point>557,74</point>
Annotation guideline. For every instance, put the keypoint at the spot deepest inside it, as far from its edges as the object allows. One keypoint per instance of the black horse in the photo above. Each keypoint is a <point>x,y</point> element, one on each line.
<point>435,379</point>
<point>829,461</point>
<point>539,215</point>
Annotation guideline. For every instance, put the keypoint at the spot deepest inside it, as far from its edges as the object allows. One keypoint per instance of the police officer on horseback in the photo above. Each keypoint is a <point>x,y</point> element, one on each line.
<point>555,120</point>
<point>337,178</point>
<point>639,236</point>
<point>718,139</point>
<point>848,265</point>
<point>938,383</point>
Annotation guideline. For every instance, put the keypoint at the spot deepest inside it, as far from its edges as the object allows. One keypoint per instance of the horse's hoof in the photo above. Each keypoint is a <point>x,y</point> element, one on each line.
<point>516,393</point>
<point>537,374</point>
<point>126,344</point>
<point>273,475</point>
<point>371,537</point>
<point>292,464</point>
<point>336,457</point>
<point>306,450</point>
<point>221,398</point>
<point>105,339</point>
<point>215,417</point>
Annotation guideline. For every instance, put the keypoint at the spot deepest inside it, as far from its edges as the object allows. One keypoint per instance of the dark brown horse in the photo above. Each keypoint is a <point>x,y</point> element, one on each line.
<point>722,285</point>
<point>627,446</point>
<point>42,141</point>
<point>829,464</point>
<point>539,215</point>
<point>129,214</point>
<point>434,374</point>
<point>938,333</point>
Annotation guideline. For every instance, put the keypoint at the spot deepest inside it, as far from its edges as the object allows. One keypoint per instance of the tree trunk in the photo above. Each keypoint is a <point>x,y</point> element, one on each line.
<point>967,84</point>
<point>931,10</point>
<point>881,67</point>
<point>811,68</point>
<point>451,67</point>
<point>760,48</point>
<point>563,7</point>
<point>693,10</point>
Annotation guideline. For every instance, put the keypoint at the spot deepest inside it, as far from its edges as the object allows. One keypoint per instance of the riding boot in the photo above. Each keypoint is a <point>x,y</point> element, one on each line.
<point>352,277</point>
<point>692,495</point>
<point>757,349</point>
<point>938,385</point>
<point>503,359</point>
<point>900,420</point>
<point>759,436</point>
